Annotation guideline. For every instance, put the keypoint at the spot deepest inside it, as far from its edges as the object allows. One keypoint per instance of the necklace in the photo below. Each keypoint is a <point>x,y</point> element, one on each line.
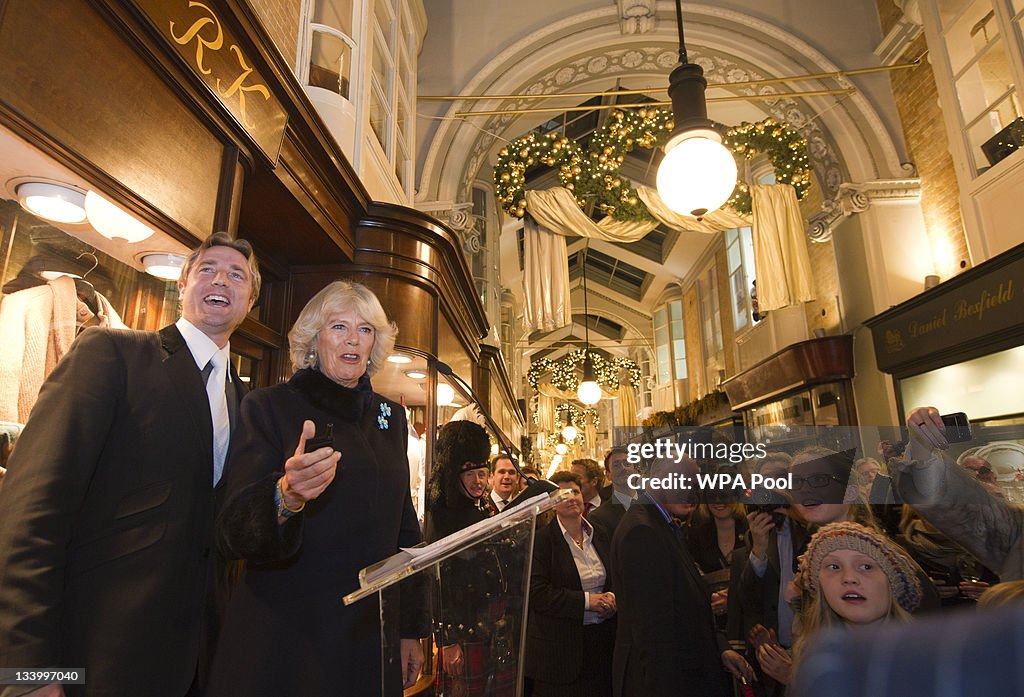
<point>579,540</point>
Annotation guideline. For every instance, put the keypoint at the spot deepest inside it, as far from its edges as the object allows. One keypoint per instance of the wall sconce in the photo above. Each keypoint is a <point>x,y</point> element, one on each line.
<point>113,222</point>
<point>61,203</point>
<point>698,173</point>
<point>165,266</point>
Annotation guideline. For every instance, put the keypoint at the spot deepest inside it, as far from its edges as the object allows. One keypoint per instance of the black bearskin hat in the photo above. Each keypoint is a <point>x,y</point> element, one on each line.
<point>460,446</point>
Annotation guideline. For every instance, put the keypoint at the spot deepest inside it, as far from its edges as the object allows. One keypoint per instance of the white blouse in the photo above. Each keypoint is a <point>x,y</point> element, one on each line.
<point>589,566</point>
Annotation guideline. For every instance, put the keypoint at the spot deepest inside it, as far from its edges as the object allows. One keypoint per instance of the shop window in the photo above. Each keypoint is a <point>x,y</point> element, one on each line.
<point>57,283</point>
<point>739,247</point>
<point>983,46</point>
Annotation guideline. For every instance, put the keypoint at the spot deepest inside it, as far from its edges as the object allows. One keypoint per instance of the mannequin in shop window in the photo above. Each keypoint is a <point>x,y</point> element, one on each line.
<point>42,311</point>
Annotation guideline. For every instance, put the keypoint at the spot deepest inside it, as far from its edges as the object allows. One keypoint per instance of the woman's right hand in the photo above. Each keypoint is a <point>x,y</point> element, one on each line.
<point>307,475</point>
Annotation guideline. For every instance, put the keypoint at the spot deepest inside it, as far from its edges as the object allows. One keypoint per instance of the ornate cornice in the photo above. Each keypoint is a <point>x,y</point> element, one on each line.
<point>637,16</point>
<point>907,28</point>
<point>857,198</point>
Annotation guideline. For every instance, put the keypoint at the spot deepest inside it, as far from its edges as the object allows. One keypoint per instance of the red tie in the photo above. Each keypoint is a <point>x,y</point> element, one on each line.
<point>586,509</point>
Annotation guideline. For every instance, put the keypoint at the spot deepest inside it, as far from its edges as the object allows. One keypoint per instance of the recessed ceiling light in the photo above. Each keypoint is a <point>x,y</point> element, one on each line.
<point>60,203</point>
<point>165,266</point>
<point>415,374</point>
<point>399,358</point>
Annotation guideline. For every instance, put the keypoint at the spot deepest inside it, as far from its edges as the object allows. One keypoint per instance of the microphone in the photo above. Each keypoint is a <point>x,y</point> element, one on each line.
<point>534,486</point>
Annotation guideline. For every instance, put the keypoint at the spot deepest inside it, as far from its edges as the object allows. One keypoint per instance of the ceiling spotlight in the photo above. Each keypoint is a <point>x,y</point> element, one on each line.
<point>165,266</point>
<point>112,222</point>
<point>399,358</point>
<point>415,374</point>
<point>60,203</point>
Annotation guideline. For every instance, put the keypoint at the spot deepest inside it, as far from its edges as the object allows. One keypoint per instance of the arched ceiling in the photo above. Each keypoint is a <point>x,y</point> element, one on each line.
<point>487,47</point>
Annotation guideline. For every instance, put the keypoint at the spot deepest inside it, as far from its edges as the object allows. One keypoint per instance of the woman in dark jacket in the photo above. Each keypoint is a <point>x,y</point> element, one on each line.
<point>570,636</point>
<point>306,537</point>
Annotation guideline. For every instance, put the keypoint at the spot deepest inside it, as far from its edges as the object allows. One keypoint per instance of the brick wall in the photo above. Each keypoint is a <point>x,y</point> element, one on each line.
<point>281,20</point>
<point>924,131</point>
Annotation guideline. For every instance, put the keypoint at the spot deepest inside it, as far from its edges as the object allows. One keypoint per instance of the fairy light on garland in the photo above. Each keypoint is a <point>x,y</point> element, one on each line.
<point>594,175</point>
<point>576,417</point>
<point>615,195</point>
<point>565,373</point>
<point>551,149</point>
<point>785,148</point>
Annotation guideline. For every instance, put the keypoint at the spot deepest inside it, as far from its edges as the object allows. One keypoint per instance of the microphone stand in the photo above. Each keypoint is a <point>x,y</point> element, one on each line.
<point>534,486</point>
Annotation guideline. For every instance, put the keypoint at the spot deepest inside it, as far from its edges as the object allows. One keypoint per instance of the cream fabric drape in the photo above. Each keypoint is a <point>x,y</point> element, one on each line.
<point>627,406</point>
<point>556,210</point>
<point>545,279</point>
<point>780,248</point>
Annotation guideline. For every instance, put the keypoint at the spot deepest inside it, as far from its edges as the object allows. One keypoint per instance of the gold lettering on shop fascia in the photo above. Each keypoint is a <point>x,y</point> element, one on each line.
<point>987,301</point>
<point>213,40</point>
<point>961,311</point>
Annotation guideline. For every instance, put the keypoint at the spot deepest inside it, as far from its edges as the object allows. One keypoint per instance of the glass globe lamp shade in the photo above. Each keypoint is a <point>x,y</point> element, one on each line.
<point>570,433</point>
<point>589,392</point>
<point>561,448</point>
<point>445,394</point>
<point>112,222</point>
<point>698,173</point>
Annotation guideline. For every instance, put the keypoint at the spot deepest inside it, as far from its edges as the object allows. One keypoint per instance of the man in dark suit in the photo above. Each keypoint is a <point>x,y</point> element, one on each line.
<point>667,644</point>
<point>109,502</point>
<point>617,468</point>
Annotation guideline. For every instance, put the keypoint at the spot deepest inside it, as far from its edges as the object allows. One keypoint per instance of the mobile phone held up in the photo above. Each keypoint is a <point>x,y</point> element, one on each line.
<point>324,441</point>
<point>958,428</point>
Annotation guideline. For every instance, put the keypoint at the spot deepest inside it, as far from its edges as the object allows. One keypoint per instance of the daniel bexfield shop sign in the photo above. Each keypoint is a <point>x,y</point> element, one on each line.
<point>983,307</point>
<point>196,32</point>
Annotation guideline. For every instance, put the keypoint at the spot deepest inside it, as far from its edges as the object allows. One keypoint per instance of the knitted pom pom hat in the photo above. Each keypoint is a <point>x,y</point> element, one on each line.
<point>893,561</point>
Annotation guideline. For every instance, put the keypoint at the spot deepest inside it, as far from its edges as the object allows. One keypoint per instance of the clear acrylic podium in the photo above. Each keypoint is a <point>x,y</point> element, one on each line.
<point>479,583</point>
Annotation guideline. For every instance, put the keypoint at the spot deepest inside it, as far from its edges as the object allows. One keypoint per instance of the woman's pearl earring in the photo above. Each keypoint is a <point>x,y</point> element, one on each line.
<point>311,356</point>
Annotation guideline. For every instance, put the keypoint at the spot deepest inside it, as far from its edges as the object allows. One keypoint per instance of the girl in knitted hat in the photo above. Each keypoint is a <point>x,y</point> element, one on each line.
<point>855,577</point>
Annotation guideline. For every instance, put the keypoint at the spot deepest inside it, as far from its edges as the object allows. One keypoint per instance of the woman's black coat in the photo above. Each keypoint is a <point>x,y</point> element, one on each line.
<point>286,631</point>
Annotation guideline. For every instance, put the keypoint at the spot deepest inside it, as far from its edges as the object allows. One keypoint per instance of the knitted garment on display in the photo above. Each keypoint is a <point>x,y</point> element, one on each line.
<point>894,563</point>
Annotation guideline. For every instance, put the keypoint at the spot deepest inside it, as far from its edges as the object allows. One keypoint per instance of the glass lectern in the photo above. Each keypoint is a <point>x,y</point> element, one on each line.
<point>479,582</point>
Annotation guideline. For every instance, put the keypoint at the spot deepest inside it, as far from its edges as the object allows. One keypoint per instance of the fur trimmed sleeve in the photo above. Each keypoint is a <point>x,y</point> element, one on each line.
<point>249,529</point>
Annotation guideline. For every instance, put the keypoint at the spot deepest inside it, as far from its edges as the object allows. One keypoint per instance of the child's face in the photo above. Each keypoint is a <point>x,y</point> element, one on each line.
<point>854,586</point>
